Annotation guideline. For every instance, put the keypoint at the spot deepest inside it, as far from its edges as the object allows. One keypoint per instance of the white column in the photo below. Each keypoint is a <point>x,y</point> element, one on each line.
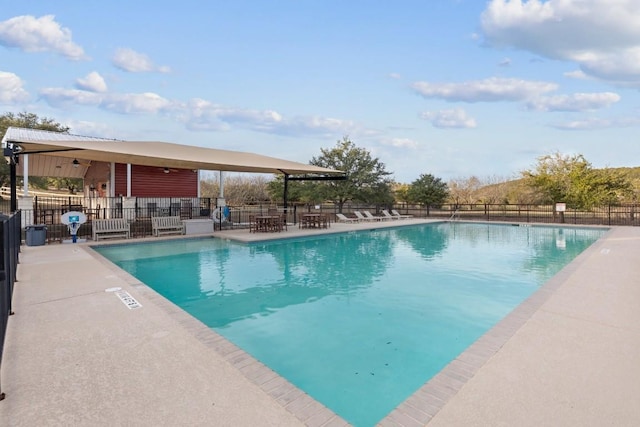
<point>220,201</point>
<point>25,177</point>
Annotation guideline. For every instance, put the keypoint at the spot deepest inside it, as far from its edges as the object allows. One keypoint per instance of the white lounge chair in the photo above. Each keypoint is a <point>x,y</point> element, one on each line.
<point>387,215</point>
<point>343,218</point>
<point>361,217</point>
<point>400,216</point>
<point>372,217</point>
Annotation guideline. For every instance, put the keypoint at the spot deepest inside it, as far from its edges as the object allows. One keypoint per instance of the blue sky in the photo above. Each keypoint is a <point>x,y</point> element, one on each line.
<point>453,88</point>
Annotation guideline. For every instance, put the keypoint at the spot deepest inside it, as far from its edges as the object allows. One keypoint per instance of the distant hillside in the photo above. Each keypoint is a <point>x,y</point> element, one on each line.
<point>632,173</point>
<point>515,191</point>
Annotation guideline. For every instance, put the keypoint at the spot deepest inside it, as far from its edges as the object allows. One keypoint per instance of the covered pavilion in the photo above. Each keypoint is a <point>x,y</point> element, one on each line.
<point>38,153</point>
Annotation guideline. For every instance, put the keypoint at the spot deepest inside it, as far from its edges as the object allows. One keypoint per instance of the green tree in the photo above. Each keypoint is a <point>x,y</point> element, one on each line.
<point>571,179</point>
<point>401,193</point>
<point>29,121</point>
<point>367,178</point>
<point>429,191</point>
<point>297,191</point>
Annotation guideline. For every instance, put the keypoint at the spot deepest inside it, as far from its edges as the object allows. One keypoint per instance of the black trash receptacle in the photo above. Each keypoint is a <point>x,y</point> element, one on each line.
<point>36,235</point>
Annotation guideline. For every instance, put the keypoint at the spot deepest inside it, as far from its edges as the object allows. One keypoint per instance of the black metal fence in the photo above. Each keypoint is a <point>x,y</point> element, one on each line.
<point>627,214</point>
<point>47,211</point>
<point>10,235</point>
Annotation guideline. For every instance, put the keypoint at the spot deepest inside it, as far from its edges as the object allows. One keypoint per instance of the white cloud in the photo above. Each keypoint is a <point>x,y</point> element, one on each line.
<point>450,119</point>
<point>83,127</point>
<point>400,143</point>
<point>237,115</point>
<point>598,123</point>
<point>136,103</point>
<point>602,36</point>
<point>202,115</point>
<point>505,62</point>
<point>93,82</point>
<point>199,114</point>
<point>11,90</point>
<point>487,90</point>
<point>314,125</point>
<point>43,34</point>
<point>586,124</point>
<point>120,103</point>
<point>574,102</point>
<point>576,74</point>
<point>60,97</point>
<point>135,62</point>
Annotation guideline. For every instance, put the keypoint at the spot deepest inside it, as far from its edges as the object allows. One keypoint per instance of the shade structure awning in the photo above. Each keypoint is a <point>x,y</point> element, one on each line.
<point>55,146</point>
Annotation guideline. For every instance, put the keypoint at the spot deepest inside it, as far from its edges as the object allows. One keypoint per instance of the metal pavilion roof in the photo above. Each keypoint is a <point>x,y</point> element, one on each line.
<point>52,154</point>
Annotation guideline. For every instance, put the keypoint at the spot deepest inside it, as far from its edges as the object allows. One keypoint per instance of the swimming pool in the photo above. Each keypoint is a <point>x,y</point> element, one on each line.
<point>361,320</point>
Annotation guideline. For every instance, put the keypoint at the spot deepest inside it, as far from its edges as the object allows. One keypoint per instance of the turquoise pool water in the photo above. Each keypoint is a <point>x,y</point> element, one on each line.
<point>360,320</point>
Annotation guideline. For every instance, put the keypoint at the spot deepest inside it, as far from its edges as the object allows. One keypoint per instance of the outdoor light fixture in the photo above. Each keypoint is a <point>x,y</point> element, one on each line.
<point>76,163</point>
<point>166,170</point>
<point>12,150</point>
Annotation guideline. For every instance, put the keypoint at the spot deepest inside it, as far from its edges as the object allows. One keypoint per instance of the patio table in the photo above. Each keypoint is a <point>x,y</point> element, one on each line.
<point>314,220</point>
<point>268,223</point>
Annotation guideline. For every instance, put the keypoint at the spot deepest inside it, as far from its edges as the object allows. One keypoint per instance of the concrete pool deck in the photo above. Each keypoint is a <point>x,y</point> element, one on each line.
<point>77,355</point>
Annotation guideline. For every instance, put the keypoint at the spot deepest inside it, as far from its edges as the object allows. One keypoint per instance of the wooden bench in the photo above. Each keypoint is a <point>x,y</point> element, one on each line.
<point>166,225</point>
<point>110,228</point>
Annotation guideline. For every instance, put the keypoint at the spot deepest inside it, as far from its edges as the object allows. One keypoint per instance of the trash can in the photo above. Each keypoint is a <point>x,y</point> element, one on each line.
<point>36,234</point>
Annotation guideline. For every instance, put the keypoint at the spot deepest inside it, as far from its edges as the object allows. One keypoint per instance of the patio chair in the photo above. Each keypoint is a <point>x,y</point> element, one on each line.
<point>253,224</point>
<point>283,222</point>
<point>372,217</point>
<point>343,218</point>
<point>387,215</point>
<point>400,216</point>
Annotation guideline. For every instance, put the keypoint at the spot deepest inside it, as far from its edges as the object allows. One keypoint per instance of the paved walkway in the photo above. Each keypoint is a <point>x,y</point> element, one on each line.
<point>76,355</point>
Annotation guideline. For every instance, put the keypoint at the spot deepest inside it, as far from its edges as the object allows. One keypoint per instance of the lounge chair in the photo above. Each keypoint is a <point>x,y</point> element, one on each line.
<point>361,217</point>
<point>400,216</point>
<point>343,218</point>
<point>387,215</point>
<point>372,217</point>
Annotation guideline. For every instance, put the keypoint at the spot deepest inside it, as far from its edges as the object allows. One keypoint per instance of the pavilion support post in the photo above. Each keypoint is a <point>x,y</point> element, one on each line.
<point>220,200</point>
<point>25,176</point>
<point>285,194</point>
